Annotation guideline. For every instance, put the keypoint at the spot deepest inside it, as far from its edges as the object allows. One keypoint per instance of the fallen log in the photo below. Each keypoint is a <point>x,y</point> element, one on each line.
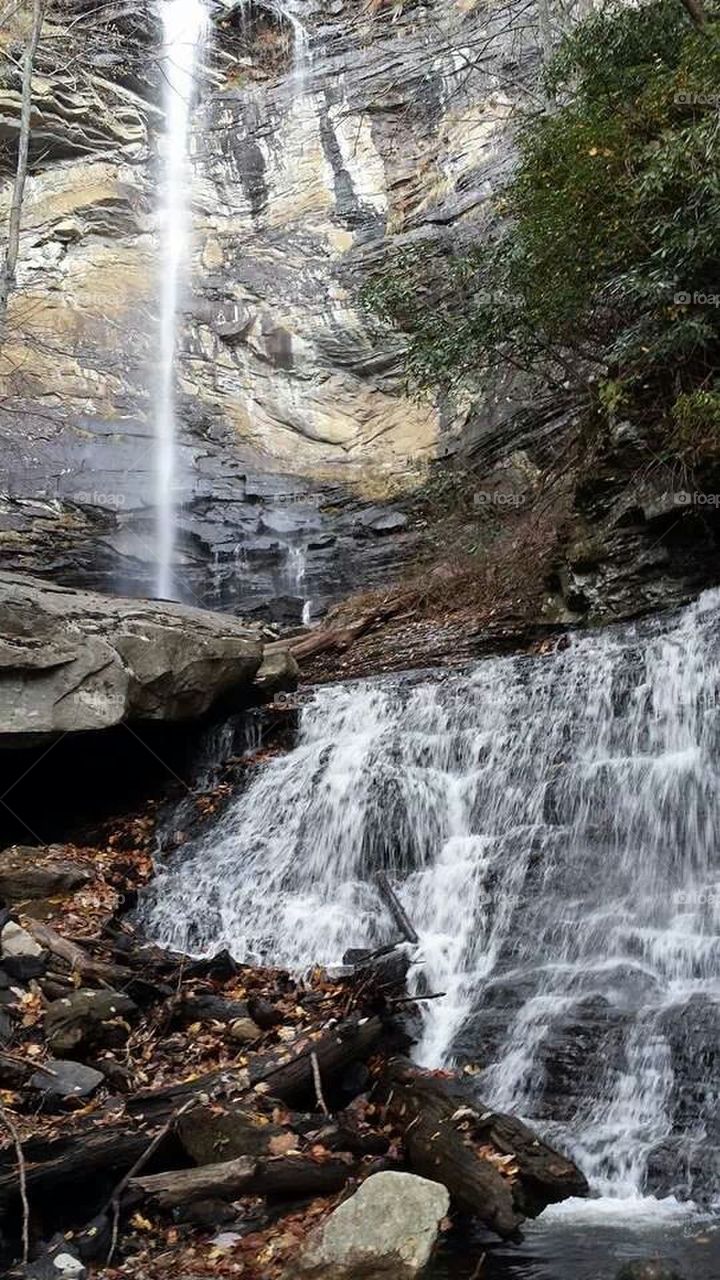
<point>291,1177</point>
<point>494,1167</point>
<point>285,1177</point>
<point>396,908</point>
<point>74,956</point>
<point>386,974</point>
<point>339,638</point>
<point>225,1181</point>
<point>58,1163</point>
<point>210,1008</point>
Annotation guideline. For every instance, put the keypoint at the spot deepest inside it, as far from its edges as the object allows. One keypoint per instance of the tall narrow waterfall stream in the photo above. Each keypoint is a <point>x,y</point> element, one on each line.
<point>184,27</point>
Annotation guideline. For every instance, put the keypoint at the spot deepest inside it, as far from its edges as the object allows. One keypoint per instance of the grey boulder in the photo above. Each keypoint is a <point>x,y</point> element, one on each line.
<point>385,1231</point>
<point>71,660</point>
<point>30,872</point>
<point>16,941</point>
<point>59,1263</point>
<point>60,1079</point>
<point>279,673</point>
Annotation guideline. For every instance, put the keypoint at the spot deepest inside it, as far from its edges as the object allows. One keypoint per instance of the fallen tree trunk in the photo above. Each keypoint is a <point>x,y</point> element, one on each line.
<point>290,1177</point>
<point>74,955</point>
<point>210,1008</point>
<point>286,1177</point>
<point>79,1157</point>
<point>494,1167</point>
<point>337,639</point>
<point>225,1181</point>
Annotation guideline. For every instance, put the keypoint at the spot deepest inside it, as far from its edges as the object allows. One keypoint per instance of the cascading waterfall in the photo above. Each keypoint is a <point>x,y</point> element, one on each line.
<point>294,574</point>
<point>552,826</point>
<point>184,30</point>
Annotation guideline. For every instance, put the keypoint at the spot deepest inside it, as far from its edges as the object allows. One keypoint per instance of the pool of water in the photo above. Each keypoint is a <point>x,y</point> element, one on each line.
<point>589,1241</point>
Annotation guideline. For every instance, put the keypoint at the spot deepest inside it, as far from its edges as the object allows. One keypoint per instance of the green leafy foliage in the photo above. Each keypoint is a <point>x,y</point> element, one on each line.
<point>600,272</point>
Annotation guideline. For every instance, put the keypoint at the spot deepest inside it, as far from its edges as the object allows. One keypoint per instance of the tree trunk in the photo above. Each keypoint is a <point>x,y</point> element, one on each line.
<point>225,1181</point>
<point>494,1167</point>
<point>9,272</point>
<point>696,10</point>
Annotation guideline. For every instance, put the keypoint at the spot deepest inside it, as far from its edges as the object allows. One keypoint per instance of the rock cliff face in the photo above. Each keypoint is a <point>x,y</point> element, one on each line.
<point>324,134</point>
<point>313,146</point>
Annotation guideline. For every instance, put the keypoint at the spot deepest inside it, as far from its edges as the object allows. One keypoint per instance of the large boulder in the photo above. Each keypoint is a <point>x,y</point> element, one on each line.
<point>75,660</point>
<point>386,1231</point>
<point>28,872</point>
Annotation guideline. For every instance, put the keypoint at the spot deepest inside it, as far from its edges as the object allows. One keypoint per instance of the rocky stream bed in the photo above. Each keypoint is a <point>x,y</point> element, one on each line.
<point>166,1115</point>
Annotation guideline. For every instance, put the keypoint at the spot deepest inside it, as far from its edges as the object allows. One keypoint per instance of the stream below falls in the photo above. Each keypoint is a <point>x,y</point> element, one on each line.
<point>551,824</point>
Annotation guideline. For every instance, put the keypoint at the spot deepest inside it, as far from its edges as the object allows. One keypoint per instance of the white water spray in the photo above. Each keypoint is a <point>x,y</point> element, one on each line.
<point>552,825</point>
<point>294,574</point>
<point>184,31</point>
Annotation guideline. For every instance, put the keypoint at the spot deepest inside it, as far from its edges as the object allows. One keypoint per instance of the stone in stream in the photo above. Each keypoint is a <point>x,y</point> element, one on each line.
<point>279,673</point>
<point>24,968</point>
<point>209,1135</point>
<point>244,1030</point>
<point>385,1231</point>
<point>59,1263</point>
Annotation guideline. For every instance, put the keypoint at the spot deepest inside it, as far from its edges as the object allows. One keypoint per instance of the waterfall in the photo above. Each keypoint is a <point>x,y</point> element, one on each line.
<point>551,824</point>
<point>184,28</point>
<point>294,572</point>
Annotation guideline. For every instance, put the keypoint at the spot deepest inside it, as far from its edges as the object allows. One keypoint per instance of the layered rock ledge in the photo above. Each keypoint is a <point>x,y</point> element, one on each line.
<point>72,661</point>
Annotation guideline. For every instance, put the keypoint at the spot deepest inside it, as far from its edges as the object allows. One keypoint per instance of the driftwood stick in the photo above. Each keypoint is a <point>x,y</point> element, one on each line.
<point>396,908</point>
<point>318,1084</point>
<point>74,955</point>
<point>162,1133</point>
<point>22,1175</point>
<point>434,995</point>
<point>494,1167</point>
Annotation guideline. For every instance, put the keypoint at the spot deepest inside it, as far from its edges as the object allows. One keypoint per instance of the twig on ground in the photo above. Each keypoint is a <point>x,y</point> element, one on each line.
<point>318,1084</point>
<point>22,1175</point>
<point>114,1201</point>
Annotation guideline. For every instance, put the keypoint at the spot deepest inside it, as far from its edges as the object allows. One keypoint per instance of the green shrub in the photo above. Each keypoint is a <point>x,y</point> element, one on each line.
<point>598,272</point>
<point>696,415</point>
